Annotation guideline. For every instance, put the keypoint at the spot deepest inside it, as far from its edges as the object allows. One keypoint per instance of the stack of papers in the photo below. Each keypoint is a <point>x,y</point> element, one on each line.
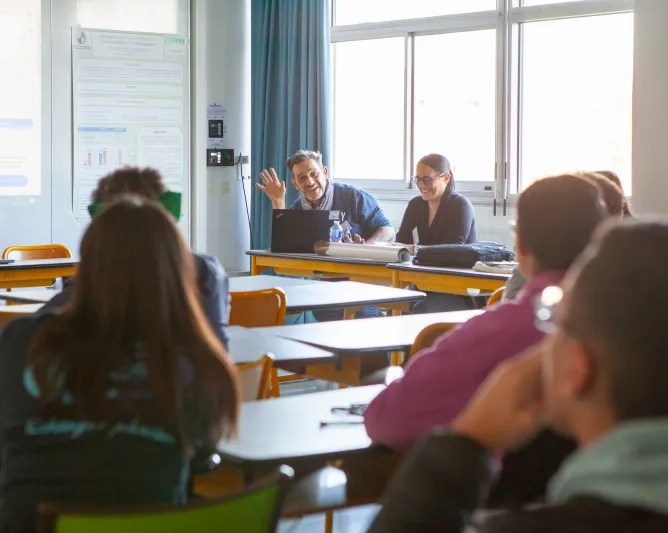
<point>496,267</point>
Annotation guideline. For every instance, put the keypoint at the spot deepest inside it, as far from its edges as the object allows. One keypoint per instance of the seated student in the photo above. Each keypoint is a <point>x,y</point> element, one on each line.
<point>615,202</point>
<point>614,178</point>
<point>212,282</point>
<point>103,401</point>
<point>440,380</point>
<point>364,218</point>
<point>600,377</point>
<point>440,214</point>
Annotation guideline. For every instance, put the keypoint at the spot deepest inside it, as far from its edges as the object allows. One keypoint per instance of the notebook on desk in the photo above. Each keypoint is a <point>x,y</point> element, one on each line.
<point>295,231</point>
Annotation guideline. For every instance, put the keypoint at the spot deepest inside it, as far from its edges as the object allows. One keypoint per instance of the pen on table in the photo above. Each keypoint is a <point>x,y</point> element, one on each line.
<point>340,423</point>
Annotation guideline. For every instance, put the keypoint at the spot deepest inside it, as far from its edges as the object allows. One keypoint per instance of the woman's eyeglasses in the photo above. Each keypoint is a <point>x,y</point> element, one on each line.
<point>545,309</point>
<point>425,180</point>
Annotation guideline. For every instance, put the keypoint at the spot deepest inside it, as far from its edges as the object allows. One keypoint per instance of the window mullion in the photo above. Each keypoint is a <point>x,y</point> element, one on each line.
<point>409,109</point>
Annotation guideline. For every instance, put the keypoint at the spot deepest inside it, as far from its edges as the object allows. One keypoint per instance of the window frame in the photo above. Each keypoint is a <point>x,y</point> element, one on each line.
<point>507,21</point>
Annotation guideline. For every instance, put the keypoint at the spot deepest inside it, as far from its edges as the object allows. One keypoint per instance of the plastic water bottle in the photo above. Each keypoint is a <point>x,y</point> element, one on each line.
<point>336,232</point>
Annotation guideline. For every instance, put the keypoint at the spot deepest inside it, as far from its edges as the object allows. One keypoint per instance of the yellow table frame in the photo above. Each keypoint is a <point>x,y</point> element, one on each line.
<point>34,277</point>
<point>311,268</point>
<point>448,283</point>
<point>377,274</point>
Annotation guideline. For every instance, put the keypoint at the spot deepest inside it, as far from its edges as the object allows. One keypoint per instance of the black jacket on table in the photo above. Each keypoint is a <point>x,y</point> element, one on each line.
<point>454,222</point>
<point>214,295</point>
<point>446,478</point>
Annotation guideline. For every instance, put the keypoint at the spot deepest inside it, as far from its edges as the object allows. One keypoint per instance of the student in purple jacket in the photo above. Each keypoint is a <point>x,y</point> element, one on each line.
<point>440,380</point>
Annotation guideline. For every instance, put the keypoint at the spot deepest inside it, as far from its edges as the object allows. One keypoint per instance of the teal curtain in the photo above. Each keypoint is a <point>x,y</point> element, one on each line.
<point>291,93</point>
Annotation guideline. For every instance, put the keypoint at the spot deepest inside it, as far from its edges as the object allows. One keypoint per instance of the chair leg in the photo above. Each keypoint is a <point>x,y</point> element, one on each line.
<point>275,389</point>
<point>329,522</point>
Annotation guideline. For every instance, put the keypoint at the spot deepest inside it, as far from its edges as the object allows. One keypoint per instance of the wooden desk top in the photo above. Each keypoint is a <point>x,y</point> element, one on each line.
<point>447,271</point>
<point>40,263</point>
<point>338,294</point>
<point>287,430</point>
<point>321,258</point>
<point>248,345</point>
<point>348,337</point>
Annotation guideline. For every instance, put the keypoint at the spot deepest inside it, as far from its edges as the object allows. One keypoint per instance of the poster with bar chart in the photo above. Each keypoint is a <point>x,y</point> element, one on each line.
<point>130,105</point>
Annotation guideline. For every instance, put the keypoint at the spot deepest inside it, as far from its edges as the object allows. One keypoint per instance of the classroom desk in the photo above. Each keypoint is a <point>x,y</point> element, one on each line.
<point>247,345</point>
<point>27,273</point>
<point>400,275</point>
<point>301,294</point>
<point>443,279</point>
<point>288,430</point>
<point>349,340</point>
<point>349,295</point>
<point>315,266</point>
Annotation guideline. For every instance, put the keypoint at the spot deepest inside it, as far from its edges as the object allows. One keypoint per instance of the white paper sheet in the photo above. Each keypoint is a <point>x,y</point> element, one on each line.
<point>389,254</point>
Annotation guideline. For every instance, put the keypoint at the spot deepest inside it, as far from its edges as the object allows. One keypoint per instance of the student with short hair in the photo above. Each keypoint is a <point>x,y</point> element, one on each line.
<point>617,207</point>
<point>614,178</point>
<point>147,183</point>
<point>440,380</point>
<point>105,400</point>
<point>599,377</point>
<point>364,219</point>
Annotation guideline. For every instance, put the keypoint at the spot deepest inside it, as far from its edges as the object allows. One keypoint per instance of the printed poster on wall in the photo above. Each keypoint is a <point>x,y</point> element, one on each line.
<point>131,107</point>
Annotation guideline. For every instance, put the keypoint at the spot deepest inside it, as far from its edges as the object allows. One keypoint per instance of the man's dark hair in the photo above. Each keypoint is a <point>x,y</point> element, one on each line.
<point>612,195</point>
<point>303,155</point>
<point>145,183</point>
<point>556,218</point>
<point>614,178</point>
<point>618,306</point>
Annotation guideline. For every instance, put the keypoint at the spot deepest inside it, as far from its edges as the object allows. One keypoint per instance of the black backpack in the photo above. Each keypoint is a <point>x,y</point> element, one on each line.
<point>462,255</point>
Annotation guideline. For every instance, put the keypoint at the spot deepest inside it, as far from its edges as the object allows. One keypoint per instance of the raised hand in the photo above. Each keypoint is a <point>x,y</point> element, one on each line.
<point>273,188</point>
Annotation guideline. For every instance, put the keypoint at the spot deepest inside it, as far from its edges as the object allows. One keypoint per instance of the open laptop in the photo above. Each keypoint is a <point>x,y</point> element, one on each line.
<point>295,231</point>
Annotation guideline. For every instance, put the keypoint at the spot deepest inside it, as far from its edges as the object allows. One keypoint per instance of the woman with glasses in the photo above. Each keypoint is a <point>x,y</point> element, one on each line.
<point>440,215</point>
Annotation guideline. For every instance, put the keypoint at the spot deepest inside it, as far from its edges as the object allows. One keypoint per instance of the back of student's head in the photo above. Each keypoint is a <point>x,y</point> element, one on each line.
<point>135,291</point>
<point>612,194</point>
<point>618,306</point>
<point>143,182</point>
<point>556,218</point>
<point>612,177</point>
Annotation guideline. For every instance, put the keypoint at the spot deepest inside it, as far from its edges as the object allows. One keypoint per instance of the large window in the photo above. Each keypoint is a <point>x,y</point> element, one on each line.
<point>369,103</point>
<point>508,94</point>
<point>359,11</point>
<point>453,101</point>
<point>576,96</point>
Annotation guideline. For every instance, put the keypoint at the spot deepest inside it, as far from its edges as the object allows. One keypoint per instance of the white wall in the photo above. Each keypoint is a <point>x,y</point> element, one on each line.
<point>650,107</point>
<point>221,74</point>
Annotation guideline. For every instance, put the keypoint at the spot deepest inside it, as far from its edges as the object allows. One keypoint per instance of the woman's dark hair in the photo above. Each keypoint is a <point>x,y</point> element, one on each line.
<point>614,178</point>
<point>143,182</point>
<point>439,163</point>
<point>556,218</point>
<point>135,290</point>
<point>614,198</point>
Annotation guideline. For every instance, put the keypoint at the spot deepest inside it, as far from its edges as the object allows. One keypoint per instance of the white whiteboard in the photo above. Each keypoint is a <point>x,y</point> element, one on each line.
<point>130,107</point>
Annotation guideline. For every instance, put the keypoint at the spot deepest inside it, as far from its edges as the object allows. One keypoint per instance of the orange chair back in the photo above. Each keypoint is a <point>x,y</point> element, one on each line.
<point>40,251</point>
<point>257,309</point>
<point>496,296</point>
<point>428,336</point>
<point>255,379</point>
